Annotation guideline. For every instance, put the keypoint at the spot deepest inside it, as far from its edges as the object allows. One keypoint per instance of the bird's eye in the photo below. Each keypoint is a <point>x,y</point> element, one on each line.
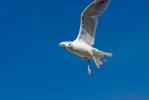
<point>69,44</point>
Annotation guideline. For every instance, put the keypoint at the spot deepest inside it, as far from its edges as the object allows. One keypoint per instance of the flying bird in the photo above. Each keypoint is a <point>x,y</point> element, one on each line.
<point>83,44</point>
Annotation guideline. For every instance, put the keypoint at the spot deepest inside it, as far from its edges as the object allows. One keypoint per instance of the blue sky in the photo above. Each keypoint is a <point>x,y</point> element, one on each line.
<point>33,67</point>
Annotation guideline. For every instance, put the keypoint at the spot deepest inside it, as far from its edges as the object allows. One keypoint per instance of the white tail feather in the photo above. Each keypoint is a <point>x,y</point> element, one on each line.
<point>109,54</point>
<point>98,57</point>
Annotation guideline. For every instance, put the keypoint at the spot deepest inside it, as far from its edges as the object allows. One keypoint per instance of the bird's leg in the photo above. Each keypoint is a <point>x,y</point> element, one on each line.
<point>89,68</point>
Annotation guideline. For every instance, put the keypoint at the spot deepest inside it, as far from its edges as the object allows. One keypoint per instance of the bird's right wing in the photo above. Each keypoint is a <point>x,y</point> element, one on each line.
<point>89,20</point>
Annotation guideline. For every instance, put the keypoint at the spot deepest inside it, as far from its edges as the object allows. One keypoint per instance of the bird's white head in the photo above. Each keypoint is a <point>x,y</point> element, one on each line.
<point>66,44</point>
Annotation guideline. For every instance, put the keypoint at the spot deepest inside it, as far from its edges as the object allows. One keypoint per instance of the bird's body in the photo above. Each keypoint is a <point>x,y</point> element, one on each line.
<point>83,44</point>
<point>79,48</point>
<point>83,50</point>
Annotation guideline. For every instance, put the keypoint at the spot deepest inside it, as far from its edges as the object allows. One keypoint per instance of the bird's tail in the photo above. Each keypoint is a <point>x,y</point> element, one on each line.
<point>99,57</point>
<point>105,53</point>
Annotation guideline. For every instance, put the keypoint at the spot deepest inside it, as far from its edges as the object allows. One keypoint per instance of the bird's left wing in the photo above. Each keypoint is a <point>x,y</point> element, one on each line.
<point>89,20</point>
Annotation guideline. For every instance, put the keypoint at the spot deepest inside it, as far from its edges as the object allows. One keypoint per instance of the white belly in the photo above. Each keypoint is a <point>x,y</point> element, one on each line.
<point>81,50</point>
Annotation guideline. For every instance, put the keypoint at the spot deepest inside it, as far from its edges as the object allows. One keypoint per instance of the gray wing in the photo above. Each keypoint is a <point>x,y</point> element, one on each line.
<point>89,20</point>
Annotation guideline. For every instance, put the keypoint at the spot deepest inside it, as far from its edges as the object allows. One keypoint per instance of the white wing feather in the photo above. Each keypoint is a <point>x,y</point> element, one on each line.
<point>89,20</point>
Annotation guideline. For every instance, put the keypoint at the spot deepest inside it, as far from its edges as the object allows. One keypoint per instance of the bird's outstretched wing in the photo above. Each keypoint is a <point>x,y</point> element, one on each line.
<point>89,20</point>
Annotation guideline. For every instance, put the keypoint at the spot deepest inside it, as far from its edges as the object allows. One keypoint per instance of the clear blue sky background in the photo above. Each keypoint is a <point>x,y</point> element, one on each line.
<point>33,67</point>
